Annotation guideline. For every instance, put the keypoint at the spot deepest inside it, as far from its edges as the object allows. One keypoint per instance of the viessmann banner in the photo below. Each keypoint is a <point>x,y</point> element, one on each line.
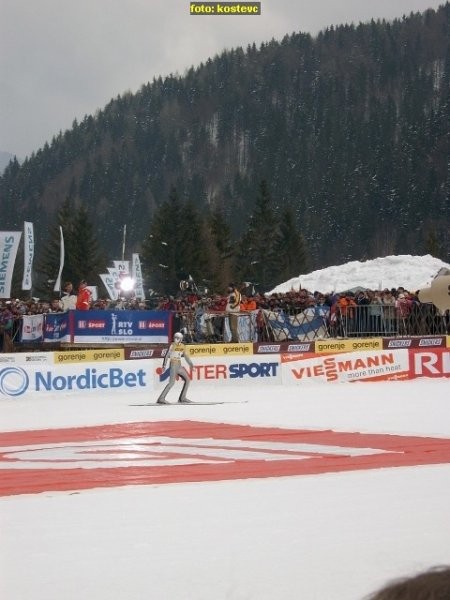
<point>109,327</point>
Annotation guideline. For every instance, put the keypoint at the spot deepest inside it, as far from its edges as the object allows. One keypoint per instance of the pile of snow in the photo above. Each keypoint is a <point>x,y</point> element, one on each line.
<point>410,272</point>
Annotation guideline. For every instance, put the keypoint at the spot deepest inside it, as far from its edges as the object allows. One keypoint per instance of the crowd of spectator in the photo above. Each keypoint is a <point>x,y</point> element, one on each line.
<point>351,313</point>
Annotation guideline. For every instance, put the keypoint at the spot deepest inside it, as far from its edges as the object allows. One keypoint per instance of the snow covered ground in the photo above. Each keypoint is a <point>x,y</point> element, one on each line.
<point>332,536</point>
<point>410,272</point>
<point>329,536</point>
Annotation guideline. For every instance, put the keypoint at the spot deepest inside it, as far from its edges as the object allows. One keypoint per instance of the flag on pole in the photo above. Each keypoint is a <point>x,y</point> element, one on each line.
<point>57,287</point>
<point>136,273</point>
<point>28,255</point>
<point>32,327</point>
<point>122,266</point>
<point>9,244</point>
<point>109,283</point>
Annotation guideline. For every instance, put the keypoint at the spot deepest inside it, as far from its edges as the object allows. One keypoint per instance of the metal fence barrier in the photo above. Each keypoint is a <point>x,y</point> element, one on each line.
<point>313,323</point>
<point>355,321</point>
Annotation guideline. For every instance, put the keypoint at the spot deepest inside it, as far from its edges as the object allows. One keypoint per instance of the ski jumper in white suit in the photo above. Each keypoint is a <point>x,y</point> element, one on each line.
<point>173,356</point>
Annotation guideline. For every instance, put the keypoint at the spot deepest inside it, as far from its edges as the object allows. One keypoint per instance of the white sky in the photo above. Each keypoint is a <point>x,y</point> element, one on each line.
<point>335,536</point>
<point>61,60</point>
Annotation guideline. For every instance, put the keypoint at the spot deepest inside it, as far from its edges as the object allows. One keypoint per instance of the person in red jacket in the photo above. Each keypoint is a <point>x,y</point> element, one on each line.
<point>84,296</point>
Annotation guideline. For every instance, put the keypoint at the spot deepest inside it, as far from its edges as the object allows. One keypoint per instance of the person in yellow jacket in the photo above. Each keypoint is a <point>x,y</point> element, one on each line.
<point>173,357</point>
<point>233,306</point>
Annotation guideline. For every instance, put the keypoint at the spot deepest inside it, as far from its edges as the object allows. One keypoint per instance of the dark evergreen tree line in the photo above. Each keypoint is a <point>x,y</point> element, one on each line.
<point>350,129</point>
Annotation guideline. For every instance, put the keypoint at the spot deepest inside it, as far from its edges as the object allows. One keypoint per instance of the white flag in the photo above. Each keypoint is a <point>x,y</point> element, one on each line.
<point>123,266</point>
<point>28,255</point>
<point>32,327</point>
<point>57,287</point>
<point>109,282</point>
<point>9,244</point>
<point>136,273</point>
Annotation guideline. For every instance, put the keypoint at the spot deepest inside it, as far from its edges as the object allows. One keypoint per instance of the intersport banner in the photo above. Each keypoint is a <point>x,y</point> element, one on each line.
<point>225,370</point>
<point>9,244</point>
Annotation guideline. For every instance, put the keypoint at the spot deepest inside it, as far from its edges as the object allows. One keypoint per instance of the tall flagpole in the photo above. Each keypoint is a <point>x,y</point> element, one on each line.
<point>57,287</point>
<point>123,241</point>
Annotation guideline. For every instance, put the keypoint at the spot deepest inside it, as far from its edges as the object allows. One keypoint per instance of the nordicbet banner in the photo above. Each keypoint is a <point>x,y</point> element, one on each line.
<point>25,380</point>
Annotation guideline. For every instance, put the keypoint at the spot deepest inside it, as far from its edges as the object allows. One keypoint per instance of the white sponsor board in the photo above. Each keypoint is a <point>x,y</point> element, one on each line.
<point>35,374</point>
<point>346,367</point>
<point>26,357</point>
<point>34,379</point>
<point>224,370</point>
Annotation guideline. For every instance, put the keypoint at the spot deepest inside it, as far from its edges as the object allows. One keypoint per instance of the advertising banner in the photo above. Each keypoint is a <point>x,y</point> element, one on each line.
<point>122,266</point>
<point>121,326</point>
<point>109,281</point>
<point>356,344</point>
<point>136,274</point>
<point>346,367</point>
<point>244,348</point>
<point>9,244</point>
<point>430,341</point>
<point>57,327</point>
<point>225,370</point>
<point>25,357</point>
<point>32,328</point>
<point>283,347</point>
<point>433,362</point>
<point>104,370</point>
<point>28,255</point>
<point>57,286</point>
<point>99,355</point>
<point>33,380</point>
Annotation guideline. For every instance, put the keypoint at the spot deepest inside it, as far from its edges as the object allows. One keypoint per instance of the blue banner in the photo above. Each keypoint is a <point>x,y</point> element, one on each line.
<point>121,326</point>
<point>109,326</point>
<point>56,327</point>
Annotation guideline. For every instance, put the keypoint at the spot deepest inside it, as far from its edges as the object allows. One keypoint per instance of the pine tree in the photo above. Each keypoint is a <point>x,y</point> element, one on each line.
<point>221,250</point>
<point>48,265</point>
<point>257,258</point>
<point>161,256</point>
<point>290,248</point>
<point>83,258</point>
<point>193,255</point>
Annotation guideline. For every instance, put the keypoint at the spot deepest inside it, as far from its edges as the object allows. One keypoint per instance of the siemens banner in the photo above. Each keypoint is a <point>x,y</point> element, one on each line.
<point>109,326</point>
